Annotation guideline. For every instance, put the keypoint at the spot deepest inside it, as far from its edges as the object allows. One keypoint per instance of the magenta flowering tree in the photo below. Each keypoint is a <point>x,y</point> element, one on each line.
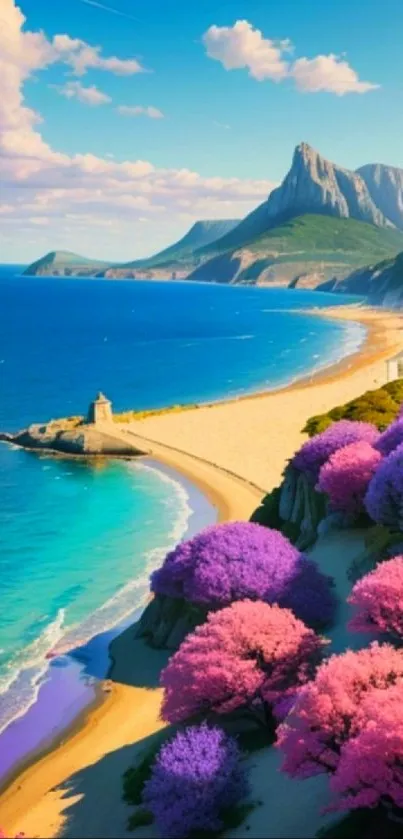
<point>238,560</point>
<point>247,655</point>
<point>197,775</point>
<point>369,771</point>
<point>316,451</point>
<point>345,477</point>
<point>384,497</point>
<point>378,600</point>
<point>391,438</point>
<point>327,712</point>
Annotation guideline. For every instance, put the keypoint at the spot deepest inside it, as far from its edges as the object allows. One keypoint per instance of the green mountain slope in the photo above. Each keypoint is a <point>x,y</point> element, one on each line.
<point>178,257</point>
<point>200,235</point>
<point>310,244</point>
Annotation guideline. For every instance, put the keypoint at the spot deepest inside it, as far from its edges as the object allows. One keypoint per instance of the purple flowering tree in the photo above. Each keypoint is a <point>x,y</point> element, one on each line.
<point>196,777</point>
<point>391,438</point>
<point>316,451</point>
<point>239,560</point>
<point>384,498</point>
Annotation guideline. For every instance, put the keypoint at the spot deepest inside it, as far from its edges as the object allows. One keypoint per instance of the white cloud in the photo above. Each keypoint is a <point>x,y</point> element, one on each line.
<point>139,110</point>
<point>88,95</point>
<point>82,57</point>
<point>69,196</point>
<point>241,46</point>
<point>328,73</point>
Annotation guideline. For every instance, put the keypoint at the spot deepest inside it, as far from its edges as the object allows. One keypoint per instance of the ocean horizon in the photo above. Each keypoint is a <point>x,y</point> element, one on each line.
<point>78,541</point>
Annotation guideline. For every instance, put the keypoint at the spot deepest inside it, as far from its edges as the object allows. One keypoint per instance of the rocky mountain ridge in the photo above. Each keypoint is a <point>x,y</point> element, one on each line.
<point>314,188</point>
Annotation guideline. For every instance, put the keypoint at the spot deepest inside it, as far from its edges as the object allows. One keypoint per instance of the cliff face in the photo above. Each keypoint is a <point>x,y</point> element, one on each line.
<point>385,185</point>
<point>316,185</point>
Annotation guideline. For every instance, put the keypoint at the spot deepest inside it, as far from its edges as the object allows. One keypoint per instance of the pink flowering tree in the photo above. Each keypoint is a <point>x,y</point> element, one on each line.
<point>316,451</point>
<point>247,655</point>
<point>370,770</point>
<point>327,713</point>
<point>345,477</point>
<point>378,600</point>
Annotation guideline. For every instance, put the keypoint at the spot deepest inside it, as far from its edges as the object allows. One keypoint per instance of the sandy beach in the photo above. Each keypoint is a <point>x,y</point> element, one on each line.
<point>235,452</point>
<point>254,436</point>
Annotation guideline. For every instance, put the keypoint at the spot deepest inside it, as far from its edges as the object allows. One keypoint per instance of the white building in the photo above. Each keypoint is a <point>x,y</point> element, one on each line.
<point>394,367</point>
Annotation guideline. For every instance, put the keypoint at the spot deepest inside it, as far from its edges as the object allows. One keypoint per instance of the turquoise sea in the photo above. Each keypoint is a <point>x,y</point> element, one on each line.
<point>78,540</point>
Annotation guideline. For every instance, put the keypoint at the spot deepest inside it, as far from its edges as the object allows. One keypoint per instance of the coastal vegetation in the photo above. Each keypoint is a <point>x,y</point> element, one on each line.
<point>197,776</point>
<point>255,659</point>
<point>246,656</point>
<point>242,560</point>
<point>379,407</point>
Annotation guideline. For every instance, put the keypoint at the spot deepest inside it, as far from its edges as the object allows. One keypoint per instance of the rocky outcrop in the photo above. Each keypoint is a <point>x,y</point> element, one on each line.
<point>166,622</point>
<point>82,440</point>
<point>308,280</point>
<point>295,508</point>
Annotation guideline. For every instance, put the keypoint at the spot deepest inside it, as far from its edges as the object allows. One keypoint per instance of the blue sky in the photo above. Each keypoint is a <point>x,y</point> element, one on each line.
<point>220,123</point>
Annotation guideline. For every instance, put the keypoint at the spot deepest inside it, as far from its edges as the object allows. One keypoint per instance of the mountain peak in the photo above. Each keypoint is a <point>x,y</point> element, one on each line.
<point>305,151</point>
<point>315,185</point>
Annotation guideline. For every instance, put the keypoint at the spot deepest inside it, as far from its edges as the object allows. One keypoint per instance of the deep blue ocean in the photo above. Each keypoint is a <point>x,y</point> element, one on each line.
<point>78,541</point>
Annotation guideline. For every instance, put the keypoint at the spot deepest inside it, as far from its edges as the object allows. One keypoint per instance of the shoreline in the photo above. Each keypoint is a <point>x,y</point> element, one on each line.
<point>329,368</point>
<point>89,663</point>
<point>110,693</point>
<point>254,435</point>
<point>36,801</point>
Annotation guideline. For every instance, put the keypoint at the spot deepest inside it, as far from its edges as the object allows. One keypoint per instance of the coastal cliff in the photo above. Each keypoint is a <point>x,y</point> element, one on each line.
<point>381,284</point>
<point>321,247</point>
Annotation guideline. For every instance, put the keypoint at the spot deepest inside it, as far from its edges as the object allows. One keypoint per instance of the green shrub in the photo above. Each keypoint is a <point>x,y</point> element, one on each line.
<point>379,406</point>
<point>135,777</point>
<point>267,514</point>
<point>140,818</point>
<point>371,823</point>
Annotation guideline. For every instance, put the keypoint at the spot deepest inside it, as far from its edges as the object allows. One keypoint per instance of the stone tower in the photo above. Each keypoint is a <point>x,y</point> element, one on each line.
<point>100,410</point>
